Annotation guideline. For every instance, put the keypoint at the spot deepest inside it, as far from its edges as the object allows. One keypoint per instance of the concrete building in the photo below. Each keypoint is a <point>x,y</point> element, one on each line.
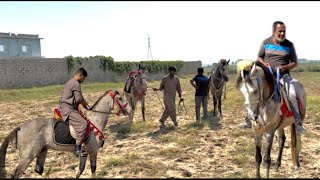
<point>20,45</point>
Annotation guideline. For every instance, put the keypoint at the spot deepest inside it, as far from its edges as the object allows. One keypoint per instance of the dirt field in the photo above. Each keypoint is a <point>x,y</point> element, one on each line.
<point>213,149</point>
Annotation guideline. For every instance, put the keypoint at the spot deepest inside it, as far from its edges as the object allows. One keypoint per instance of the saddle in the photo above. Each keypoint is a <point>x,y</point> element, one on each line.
<point>129,83</point>
<point>285,109</point>
<point>62,134</point>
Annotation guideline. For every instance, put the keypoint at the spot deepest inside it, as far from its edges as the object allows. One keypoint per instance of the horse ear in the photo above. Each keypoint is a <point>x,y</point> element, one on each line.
<point>253,69</point>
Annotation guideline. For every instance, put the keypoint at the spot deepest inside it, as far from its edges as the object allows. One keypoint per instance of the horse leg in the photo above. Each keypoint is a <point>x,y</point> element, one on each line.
<point>133,107</point>
<point>142,109</point>
<point>294,147</point>
<point>258,142</point>
<point>83,159</point>
<point>40,161</point>
<point>214,105</point>
<point>25,159</point>
<point>93,164</point>
<point>282,139</point>
<point>267,157</point>
<point>219,107</point>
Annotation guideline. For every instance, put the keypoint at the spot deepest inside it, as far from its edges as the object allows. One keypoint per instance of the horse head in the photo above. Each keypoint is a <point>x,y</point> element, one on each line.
<point>255,83</point>
<point>109,100</point>
<point>221,71</point>
<point>141,80</point>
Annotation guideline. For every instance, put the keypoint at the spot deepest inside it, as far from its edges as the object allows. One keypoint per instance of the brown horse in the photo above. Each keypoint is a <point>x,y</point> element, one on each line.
<point>137,92</point>
<point>256,84</point>
<point>35,137</point>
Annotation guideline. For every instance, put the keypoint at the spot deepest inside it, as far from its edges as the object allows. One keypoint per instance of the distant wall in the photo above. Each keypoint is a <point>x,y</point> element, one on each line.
<point>32,72</point>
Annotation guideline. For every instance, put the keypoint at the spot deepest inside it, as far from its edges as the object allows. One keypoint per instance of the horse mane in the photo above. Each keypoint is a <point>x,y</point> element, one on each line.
<point>268,76</point>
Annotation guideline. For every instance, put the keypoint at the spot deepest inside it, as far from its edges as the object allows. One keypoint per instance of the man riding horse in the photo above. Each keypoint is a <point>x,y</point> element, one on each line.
<point>71,98</point>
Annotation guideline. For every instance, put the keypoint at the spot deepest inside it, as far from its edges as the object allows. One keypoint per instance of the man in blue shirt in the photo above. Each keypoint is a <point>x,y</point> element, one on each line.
<point>201,84</point>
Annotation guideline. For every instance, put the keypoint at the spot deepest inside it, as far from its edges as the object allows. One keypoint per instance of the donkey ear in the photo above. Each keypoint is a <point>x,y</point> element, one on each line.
<point>139,66</point>
<point>228,61</point>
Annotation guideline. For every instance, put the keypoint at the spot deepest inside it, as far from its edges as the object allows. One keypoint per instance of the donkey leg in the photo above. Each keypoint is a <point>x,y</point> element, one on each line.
<point>258,142</point>
<point>83,159</point>
<point>267,157</point>
<point>40,161</point>
<point>93,164</point>
<point>142,109</point>
<point>282,139</point>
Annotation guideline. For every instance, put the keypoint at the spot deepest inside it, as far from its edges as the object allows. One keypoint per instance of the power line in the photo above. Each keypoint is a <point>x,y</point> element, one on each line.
<point>149,49</point>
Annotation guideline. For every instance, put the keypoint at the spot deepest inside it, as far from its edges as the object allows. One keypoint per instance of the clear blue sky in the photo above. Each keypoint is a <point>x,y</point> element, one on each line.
<point>205,30</point>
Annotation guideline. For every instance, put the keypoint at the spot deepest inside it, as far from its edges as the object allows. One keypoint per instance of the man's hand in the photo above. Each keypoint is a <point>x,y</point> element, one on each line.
<point>267,65</point>
<point>85,105</point>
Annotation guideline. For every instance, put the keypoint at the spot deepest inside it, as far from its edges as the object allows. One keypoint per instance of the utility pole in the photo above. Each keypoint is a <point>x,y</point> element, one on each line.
<point>149,49</point>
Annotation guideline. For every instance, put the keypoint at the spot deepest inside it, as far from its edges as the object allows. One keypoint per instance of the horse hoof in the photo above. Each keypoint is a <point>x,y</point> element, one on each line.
<point>296,168</point>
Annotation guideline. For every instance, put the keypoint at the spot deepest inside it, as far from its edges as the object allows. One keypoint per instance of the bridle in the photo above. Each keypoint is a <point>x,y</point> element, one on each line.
<point>115,101</point>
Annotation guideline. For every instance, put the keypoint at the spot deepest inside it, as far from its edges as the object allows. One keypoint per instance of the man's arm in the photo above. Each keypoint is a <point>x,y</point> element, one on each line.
<point>161,86</point>
<point>79,97</point>
<point>192,83</point>
<point>293,63</point>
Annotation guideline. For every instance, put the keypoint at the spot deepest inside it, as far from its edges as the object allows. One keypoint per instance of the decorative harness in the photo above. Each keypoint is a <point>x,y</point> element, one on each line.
<point>115,100</point>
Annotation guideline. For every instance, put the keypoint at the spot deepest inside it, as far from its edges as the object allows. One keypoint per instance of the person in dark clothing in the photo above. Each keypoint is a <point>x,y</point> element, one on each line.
<point>201,84</point>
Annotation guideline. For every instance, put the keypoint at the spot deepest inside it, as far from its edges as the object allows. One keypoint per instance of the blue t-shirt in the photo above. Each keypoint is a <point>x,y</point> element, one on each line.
<point>203,83</point>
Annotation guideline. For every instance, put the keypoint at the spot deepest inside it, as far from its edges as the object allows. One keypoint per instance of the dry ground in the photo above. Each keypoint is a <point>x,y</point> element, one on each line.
<point>213,149</point>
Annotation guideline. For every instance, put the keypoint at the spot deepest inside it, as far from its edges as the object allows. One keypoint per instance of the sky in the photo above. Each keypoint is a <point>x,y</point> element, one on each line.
<point>178,30</point>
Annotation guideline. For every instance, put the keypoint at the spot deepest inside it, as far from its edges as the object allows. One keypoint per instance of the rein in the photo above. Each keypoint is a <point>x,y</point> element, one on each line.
<point>180,107</point>
<point>114,101</point>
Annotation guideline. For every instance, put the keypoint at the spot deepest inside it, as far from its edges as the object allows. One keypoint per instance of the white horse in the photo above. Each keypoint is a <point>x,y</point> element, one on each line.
<point>256,83</point>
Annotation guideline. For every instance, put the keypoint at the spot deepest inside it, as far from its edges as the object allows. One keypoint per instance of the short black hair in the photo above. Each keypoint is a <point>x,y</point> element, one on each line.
<point>82,71</point>
<point>275,24</point>
<point>172,68</point>
<point>200,70</point>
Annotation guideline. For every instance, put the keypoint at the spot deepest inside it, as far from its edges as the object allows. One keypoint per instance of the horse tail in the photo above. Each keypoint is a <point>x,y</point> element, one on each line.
<point>294,144</point>
<point>3,149</point>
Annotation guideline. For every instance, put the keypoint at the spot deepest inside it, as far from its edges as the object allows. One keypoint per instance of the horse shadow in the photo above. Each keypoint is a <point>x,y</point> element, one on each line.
<point>213,122</point>
<point>121,129</point>
<point>161,131</point>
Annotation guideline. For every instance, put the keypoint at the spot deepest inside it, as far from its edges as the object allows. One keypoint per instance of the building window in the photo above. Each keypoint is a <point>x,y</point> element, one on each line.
<point>25,48</point>
<point>3,48</point>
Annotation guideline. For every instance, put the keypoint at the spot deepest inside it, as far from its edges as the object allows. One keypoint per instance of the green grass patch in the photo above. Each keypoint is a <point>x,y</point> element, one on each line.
<point>166,138</point>
<point>188,140</point>
<point>140,127</point>
<point>171,152</point>
<point>121,161</point>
